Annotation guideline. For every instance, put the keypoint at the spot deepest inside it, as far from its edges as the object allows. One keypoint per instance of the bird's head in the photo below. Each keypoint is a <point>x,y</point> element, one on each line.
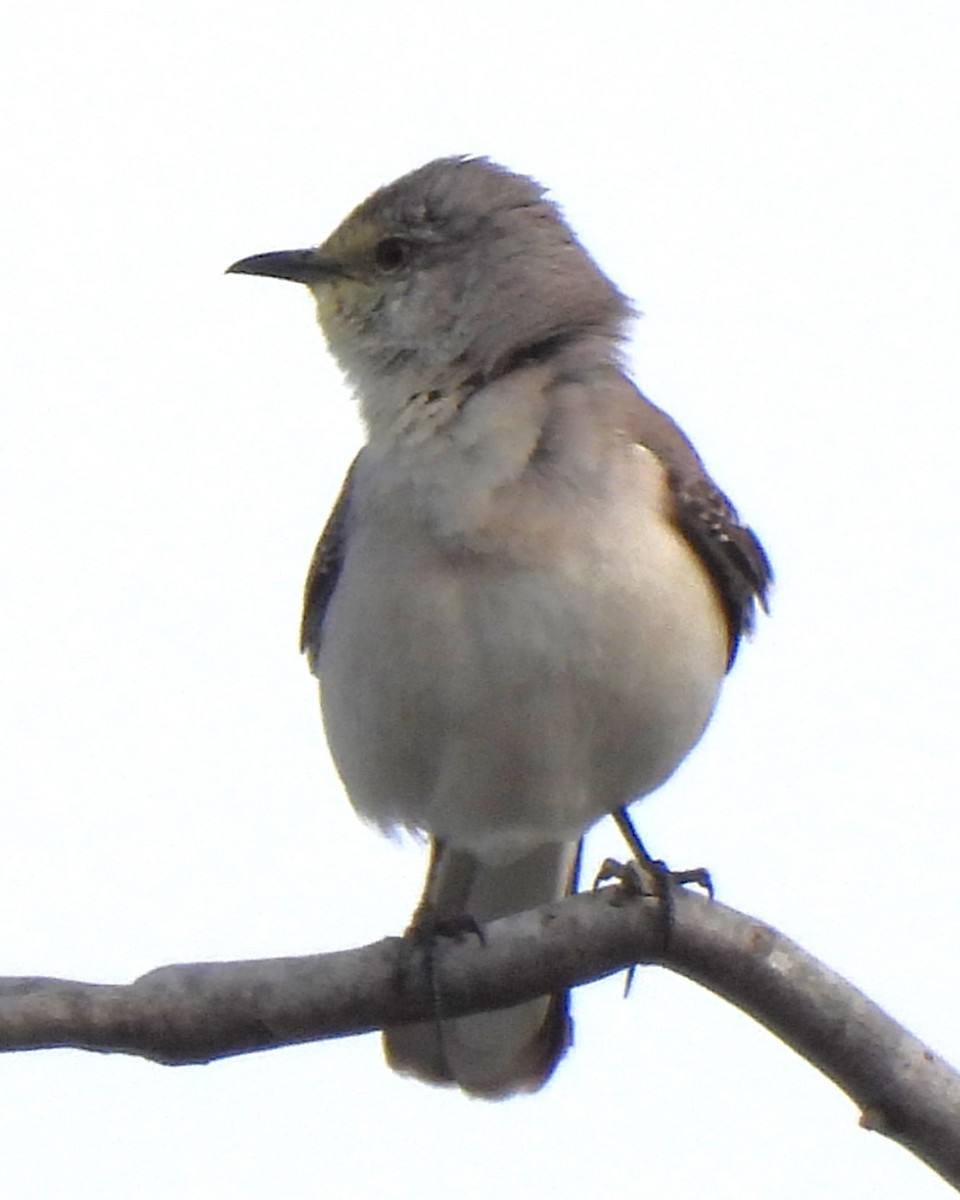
<point>449,274</point>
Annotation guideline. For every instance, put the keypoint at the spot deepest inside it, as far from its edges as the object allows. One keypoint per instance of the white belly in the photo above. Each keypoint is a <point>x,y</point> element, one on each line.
<point>503,707</point>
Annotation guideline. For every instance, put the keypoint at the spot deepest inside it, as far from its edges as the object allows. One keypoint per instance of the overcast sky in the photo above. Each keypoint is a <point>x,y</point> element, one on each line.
<point>777,186</point>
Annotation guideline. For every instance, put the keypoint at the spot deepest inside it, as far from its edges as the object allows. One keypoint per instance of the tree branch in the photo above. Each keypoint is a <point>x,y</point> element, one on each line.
<point>201,1011</point>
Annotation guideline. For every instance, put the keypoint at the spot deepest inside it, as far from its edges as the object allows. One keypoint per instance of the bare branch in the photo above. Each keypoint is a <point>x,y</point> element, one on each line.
<point>202,1011</point>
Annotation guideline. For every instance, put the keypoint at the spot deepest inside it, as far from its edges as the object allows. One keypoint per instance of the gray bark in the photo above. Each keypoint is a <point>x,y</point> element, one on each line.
<point>196,1012</point>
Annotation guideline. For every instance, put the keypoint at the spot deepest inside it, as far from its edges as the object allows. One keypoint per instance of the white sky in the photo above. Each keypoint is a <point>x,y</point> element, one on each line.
<point>778,188</point>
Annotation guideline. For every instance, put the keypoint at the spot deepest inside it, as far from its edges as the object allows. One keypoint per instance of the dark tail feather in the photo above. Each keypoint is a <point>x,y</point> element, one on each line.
<point>494,1054</point>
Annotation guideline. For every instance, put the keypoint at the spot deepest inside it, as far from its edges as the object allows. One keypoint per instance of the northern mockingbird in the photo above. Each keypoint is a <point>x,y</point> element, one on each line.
<point>529,591</point>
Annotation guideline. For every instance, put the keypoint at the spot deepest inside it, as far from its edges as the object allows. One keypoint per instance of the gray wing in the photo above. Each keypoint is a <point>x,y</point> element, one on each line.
<point>325,569</point>
<point>730,550</point>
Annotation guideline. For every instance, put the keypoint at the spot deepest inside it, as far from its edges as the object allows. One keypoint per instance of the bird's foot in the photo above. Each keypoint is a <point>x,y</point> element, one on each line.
<point>645,875</point>
<point>426,926</point>
<point>650,876</point>
<point>422,942</point>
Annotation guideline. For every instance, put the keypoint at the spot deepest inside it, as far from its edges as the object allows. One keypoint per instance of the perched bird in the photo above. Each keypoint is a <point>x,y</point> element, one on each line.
<point>529,591</point>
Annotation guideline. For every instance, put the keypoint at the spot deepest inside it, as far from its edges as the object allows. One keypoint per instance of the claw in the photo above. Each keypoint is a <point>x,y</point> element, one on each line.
<point>646,876</point>
<point>655,867</point>
<point>633,876</point>
<point>698,875</point>
<point>425,926</point>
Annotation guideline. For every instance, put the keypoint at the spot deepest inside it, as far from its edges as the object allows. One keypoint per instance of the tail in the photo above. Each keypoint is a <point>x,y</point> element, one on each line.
<point>516,1049</point>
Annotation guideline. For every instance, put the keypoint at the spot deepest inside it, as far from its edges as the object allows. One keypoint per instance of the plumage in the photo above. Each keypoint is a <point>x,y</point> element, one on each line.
<point>524,603</point>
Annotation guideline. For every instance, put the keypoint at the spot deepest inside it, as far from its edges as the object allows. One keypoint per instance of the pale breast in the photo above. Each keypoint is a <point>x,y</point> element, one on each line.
<point>515,686</point>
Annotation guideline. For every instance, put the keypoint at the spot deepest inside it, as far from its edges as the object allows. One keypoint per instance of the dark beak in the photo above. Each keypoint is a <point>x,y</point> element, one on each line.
<point>301,266</point>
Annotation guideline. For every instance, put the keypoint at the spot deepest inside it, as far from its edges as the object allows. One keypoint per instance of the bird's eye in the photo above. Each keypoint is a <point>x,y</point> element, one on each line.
<point>391,253</point>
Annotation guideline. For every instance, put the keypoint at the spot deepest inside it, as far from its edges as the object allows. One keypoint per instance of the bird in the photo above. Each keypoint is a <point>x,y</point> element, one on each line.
<point>525,601</point>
